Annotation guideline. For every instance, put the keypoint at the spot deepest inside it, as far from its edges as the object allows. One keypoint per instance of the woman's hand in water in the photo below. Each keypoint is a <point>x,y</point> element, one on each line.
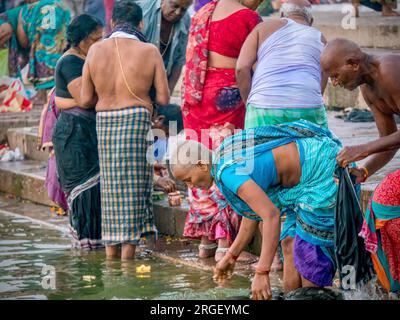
<point>260,288</point>
<point>224,269</point>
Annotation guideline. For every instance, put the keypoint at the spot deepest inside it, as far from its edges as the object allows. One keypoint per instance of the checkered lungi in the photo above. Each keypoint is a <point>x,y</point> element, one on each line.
<point>125,175</point>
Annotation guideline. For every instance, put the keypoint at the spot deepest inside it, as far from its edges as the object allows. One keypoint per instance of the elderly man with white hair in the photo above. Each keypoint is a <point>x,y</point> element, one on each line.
<point>287,83</point>
<point>280,80</point>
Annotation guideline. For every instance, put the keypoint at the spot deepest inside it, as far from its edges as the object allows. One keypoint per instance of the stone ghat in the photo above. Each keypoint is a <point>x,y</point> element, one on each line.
<point>25,179</point>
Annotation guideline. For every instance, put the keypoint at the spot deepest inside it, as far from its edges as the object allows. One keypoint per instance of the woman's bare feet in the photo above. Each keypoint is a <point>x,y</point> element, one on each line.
<point>207,248</point>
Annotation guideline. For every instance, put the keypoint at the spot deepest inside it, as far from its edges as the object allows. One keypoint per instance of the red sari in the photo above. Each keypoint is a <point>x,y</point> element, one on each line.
<point>212,109</point>
<point>381,231</point>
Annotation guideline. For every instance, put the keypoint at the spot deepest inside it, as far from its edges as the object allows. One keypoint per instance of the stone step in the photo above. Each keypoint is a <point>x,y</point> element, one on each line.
<point>18,120</point>
<point>25,179</point>
<point>170,248</point>
<point>18,175</point>
<point>26,140</point>
<point>369,30</point>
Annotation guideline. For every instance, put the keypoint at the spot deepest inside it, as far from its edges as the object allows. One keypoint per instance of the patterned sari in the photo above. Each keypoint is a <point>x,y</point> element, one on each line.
<point>212,109</point>
<point>308,206</point>
<point>17,56</point>
<point>381,231</point>
<point>46,127</point>
<point>45,24</point>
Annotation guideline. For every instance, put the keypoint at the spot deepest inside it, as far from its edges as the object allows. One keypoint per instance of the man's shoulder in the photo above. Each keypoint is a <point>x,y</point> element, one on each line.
<point>271,24</point>
<point>390,64</point>
<point>389,68</point>
<point>149,47</point>
<point>98,46</point>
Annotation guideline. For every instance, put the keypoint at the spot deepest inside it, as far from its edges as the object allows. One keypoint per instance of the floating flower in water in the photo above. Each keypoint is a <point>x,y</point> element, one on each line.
<point>88,278</point>
<point>61,212</point>
<point>143,269</point>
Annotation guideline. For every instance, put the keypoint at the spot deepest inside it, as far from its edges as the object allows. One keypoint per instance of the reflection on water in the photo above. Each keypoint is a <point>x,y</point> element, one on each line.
<point>25,248</point>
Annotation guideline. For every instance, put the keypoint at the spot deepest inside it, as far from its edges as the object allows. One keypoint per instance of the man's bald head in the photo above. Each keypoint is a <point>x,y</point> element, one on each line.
<point>297,9</point>
<point>340,49</point>
<point>341,61</point>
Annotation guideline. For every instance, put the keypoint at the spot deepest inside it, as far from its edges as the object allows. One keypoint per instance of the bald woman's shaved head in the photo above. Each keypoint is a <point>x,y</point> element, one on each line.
<point>341,61</point>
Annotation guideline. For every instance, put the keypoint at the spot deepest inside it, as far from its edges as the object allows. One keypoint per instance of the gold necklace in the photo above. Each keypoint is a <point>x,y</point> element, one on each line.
<point>79,52</point>
<point>168,43</point>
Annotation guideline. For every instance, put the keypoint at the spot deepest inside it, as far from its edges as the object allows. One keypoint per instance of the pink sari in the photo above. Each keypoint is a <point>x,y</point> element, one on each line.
<point>47,123</point>
<point>209,215</point>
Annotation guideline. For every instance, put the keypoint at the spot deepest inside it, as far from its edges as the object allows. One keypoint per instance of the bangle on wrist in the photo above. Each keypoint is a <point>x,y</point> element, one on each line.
<point>230,254</point>
<point>262,272</point>
<point>366,173</point>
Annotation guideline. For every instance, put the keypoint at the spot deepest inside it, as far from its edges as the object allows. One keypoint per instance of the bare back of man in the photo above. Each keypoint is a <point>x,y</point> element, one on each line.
<point>126,84</point>
<point>384,93</point>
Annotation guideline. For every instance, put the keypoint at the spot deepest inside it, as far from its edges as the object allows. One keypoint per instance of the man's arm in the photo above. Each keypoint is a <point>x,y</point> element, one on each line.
<point>74,88</point>
<point>244,65</point>
<point>383,149</point>
<point>391,142</point>
<point>180,57</point>
<point>88,94</point>
<point>386,125</point>
<point>174,77</point>
<point>160,80</point>
<point>324,76</point>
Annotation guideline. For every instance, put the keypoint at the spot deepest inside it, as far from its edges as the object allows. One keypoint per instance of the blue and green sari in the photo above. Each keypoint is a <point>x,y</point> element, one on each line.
<point>45,25</point>
<point>309,206</point>
<point>16,53</point>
